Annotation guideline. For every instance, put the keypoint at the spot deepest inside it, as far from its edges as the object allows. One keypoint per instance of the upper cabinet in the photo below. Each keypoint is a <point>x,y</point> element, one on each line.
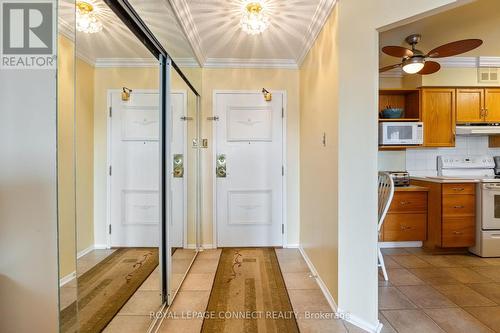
<point>492,105</point>
<point>438,116</point>
<point>470,105</point>
<point>478,105</point>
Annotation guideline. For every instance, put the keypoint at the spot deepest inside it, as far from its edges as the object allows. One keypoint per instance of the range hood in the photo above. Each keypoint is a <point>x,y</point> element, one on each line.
<point>486,129</point>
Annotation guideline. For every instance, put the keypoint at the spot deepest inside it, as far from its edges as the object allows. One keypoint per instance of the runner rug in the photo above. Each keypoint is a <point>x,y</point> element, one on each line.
<point>249,294</point>
<point>105,288</point>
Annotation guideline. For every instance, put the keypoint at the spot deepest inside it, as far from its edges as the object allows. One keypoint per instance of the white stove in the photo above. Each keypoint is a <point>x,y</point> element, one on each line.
<point>480,169</point>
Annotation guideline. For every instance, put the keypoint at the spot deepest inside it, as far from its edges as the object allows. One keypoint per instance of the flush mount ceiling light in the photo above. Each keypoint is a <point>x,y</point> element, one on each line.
<point>86,20</point>
<point>254,20</point>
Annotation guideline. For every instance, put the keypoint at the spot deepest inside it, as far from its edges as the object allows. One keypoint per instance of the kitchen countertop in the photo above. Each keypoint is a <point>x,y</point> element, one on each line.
<point>411,188</point>
<point>443,179</point>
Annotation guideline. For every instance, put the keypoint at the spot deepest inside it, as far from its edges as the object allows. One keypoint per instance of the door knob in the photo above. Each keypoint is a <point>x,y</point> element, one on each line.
<point>220,168</point>
<point>178,166</point>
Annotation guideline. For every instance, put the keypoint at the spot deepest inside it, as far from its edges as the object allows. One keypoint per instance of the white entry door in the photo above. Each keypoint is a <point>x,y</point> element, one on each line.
<point>249,143</point>
<point>134,170</point>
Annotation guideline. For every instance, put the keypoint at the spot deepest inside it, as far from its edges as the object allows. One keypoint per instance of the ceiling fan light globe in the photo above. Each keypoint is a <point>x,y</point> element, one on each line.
<point>413,65</point>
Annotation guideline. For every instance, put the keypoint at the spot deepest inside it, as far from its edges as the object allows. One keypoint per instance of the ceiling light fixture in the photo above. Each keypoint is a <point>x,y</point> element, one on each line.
<point>86,20</point>
<point>254,20</point>
<point>413,65</point>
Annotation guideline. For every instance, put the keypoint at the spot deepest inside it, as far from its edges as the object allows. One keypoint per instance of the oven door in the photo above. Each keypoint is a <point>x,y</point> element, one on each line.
<point>491,206</point>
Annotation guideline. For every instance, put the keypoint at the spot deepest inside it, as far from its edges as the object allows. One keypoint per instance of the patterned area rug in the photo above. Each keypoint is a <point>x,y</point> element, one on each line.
<point>104,289</point>
<point>249,294</point>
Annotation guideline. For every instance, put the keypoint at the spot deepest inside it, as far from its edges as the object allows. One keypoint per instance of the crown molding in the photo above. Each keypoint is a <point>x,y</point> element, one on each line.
<point>66,29</point>
<point>458,62</point>
<point>250,63</point>
<point>85,57</point>
<point>489,61</point>
<point>319,19</point>
<point>185,19</point>
<point>141,62</point>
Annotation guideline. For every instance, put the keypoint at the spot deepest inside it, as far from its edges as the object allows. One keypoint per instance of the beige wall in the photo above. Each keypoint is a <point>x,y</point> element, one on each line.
<point>65,156</point>
<point>455,77</point>
<point>318,163</point>
<point>84,154</point>
<point>253,79</point>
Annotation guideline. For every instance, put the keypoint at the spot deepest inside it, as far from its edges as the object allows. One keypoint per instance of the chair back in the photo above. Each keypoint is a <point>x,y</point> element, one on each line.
<point>385,195</point>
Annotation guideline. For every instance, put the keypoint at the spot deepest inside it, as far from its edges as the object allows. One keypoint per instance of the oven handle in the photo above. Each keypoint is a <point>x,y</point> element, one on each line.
<point>491,188</point>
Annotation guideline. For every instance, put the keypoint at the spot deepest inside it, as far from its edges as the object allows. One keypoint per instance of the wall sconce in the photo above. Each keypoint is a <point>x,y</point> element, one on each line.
<point>126,94</point>
<point>267,95</point>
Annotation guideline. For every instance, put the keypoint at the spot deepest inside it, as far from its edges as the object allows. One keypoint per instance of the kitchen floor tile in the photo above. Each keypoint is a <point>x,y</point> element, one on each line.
<point>390,263</point>
<point>488,315</point>
<point>491,272</point>
<point>411,321</point>
<point>456,320</point>
<point>489,290</point>
<point>308,301</point>
<point>321,325</point>
<point>395,251</point>
<point>288,254</point>
<point>410,261</point>
<point>390,298</point>
<point>181,326</point>
<point>128,324</point>
<point>403,277</point>
<point>209,254</point>
<point>466,275</point>
<point>440,260</point>
<point>433,275</point>
<point>204,266</point>
<point>293,266</point>
<point>304,280</point>
<point>426,297</point>
<point>190,301</point>
<point>463,296</point>
<point>143,302</point>
<point>198,282</point>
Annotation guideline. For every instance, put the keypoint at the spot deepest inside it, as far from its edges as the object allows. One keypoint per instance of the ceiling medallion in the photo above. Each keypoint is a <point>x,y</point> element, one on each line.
<point>86,19</point>
<point>254,19</point>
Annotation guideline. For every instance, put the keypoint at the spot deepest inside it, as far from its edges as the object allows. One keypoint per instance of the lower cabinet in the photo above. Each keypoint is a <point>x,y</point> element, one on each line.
<point>406,219</point>
<point>452,214</point>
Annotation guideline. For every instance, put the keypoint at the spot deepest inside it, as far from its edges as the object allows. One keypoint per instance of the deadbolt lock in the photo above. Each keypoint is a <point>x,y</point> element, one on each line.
<point>178,166</point>
<point>221,166</point>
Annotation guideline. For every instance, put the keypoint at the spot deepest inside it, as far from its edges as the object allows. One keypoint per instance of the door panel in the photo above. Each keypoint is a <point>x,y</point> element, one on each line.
<point>438,115</point>
<point>249,133</point>
<point>470,105</point>
<point>492,105</point>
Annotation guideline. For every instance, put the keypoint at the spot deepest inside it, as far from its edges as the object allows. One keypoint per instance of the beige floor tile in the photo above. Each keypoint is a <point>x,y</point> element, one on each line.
<point>492,261</point>
<point>181,326</point>
<point>67,296</point>
<point>466,275</point>
<point>143,302</point>
<point>293,266</point>
<point>190,301</point>
<point>440,260</point>
<point>390,263</point>
<point>353,328</point>
<point>463,296</point>
<point>381,280</point>
<point>180,266</point>
<point>395,251</point>
<point>392,298</point>
<point>152,282</point>
<point>288,254</point>
<point>308,301</point>
<point>403,277</point>
<point>411,321</point>
<point>198,282</point>
<point>321,326</point>
<point>426,297</point>
<point>387,327</point>
<point>184,254</point>
<point>490,316</point>
<point>491,272</point>
<point>410,261</point>
<point>209,254</point>
<point>205,266</point>
<point>128,324</point>
<point>489,290</point>
<point>303,280</point>
<point>176,281</point>
<point>434,275</point>
<point>456,320</point>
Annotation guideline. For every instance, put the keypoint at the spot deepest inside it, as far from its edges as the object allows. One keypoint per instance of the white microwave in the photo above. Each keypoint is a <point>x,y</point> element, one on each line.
<point>401,133</point>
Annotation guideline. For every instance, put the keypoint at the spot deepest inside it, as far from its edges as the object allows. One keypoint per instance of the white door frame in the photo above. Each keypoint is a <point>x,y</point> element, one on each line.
<point>283,161</point>
<point>110,92</point>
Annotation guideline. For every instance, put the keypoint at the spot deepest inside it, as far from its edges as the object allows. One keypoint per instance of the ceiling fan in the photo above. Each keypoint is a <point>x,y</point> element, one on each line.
<point>414,61</point>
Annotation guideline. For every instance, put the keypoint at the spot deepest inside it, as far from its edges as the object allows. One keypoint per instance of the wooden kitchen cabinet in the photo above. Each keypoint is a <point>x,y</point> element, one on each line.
<point>406,219</point>
<point>492,105</point>
<point>438,116</point>
<point>451,214</point>
<point>470,105</point>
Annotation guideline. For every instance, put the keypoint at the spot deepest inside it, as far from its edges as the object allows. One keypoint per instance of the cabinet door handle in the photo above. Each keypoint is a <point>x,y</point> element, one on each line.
<point>404,227</point>
<point>485,112</point>
<point>458,207</point>
<point>403,203</point>
<point>458,233</point>
<point>458,189</point>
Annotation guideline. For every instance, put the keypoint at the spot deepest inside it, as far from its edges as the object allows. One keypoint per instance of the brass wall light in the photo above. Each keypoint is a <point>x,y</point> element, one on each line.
<point>267,95</point>
<point>126,94</point>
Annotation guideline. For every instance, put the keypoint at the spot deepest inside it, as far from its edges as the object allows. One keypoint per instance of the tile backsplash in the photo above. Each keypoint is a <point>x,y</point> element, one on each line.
<point>424,161</point>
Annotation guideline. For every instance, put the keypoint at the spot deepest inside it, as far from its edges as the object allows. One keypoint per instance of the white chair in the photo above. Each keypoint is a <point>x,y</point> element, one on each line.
<point>385,195</point>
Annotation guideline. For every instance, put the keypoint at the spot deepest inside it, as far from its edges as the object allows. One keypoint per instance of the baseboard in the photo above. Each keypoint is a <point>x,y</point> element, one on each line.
<point>66,279</point>
<point>319,281</point>
<point>291,246</point>
<point>208,246</point>
<point>363,324</point>
<point>386,245</point>
<point>85,251</point>
<point>101,247</point>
